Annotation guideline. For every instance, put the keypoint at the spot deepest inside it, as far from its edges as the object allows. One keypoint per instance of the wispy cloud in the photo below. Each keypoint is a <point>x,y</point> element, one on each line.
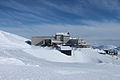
<point>20,11</point>
<point>93,31</point>
<point>86,7</point>
<point>90,19</point>
<point>60,12</point>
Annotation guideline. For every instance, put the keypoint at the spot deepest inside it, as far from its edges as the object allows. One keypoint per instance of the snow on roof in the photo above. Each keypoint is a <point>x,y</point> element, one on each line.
<point>77,38</point>
<point>73,38</point>
<point>65,48</point>
<point>65,34</point>
<point>55,41</point>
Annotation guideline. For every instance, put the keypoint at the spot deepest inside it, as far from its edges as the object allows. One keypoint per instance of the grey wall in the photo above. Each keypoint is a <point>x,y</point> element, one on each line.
<point>36,40</point>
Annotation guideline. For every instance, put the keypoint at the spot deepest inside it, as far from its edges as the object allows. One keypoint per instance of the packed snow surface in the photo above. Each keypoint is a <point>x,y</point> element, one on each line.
<point>20,61</point>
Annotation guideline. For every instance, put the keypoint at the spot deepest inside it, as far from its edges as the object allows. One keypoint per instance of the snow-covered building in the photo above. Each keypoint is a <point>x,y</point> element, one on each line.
<point>59,39</point>
<point>66,50</point>
<point>64,37</point>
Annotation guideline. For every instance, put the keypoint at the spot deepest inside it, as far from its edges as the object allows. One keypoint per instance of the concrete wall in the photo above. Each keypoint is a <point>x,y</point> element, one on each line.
<point>59,37</point>
<point>73,41</point>
<point>81,41</point>
<point>83,46</point>
<point>66,39</point>
<point>76,42</point>
<point>62,38</point>
<point>37,39</point>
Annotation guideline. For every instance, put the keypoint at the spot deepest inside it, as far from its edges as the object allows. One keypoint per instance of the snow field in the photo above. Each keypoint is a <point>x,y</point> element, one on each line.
<point>19,61</point>
<point>13,45</point>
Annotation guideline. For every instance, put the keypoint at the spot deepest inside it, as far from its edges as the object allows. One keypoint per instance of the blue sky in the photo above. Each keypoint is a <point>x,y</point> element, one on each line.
<point>90,19</point>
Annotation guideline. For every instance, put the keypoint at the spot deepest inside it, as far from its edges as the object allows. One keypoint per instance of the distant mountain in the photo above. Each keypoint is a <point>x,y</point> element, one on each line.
<point>103,47</point>
<point>105,42</point>
<point>118,48</point>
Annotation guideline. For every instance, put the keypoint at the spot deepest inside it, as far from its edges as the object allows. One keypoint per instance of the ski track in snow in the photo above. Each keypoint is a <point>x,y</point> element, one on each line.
<point>19,61</point>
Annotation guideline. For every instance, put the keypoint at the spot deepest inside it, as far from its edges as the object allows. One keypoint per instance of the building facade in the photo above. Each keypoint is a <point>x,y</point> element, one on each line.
<point>41,40</point>
<point>59,39</point>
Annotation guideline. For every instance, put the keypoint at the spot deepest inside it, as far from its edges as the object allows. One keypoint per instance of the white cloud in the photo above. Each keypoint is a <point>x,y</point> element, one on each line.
<point>95,30</point>
<point>86,7</point>
<point>12,20</point>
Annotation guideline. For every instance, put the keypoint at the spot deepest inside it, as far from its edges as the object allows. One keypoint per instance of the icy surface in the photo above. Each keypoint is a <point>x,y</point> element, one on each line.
<point>20,61</point>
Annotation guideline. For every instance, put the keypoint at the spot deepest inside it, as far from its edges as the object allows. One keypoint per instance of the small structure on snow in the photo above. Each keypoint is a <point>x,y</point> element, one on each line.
<point>66,50</point>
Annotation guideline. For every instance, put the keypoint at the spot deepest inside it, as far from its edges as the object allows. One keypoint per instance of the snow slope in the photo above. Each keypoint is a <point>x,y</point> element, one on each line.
<point>8,39</point>
<point>20,61</point>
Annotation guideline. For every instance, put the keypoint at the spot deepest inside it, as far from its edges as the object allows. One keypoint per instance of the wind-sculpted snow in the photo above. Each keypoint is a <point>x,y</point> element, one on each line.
<point>20,61</point>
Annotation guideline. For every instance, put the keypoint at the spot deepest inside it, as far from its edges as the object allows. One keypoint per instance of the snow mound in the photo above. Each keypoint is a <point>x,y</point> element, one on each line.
<point>88,55</point>
<point>48,54</point>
